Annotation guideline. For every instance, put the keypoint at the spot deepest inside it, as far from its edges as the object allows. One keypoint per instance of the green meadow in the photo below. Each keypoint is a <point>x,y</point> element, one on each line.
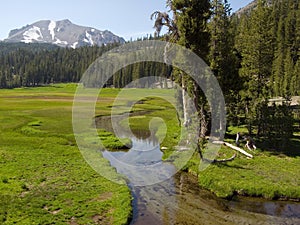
<point>45,180</point>
<point>43,177</point>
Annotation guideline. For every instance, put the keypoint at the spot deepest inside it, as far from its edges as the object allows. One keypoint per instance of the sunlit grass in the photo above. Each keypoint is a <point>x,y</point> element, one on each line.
<point>43,178</point>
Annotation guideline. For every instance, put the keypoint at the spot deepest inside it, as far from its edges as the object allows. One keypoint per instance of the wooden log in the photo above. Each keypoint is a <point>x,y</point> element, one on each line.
<point>234,148</point>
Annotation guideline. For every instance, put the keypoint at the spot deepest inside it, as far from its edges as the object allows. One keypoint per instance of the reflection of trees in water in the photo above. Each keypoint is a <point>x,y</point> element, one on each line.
<point>109,122</point>
<point>146,136</point>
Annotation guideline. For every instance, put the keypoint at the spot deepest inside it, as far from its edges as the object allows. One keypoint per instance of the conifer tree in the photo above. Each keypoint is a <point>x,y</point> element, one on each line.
<point>257,53</point>
<point>223,61</point>
<point>191,18</point>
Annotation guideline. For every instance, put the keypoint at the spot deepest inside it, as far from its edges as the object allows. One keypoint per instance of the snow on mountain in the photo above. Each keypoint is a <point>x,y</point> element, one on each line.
<point>89,38</point>
<point>51,28</point>
<point>63,33</point>
<point>32,34</point>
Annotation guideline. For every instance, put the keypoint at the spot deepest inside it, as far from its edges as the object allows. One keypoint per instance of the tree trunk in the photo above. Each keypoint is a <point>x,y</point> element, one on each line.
<point>184,102</point>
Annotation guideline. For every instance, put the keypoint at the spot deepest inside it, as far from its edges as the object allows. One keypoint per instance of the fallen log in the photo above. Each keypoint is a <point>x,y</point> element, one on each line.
<point>234,148</point>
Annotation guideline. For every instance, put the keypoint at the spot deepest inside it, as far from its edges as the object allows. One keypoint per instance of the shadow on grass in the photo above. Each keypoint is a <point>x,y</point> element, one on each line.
<point>292,148</point>
<point>222,165</point>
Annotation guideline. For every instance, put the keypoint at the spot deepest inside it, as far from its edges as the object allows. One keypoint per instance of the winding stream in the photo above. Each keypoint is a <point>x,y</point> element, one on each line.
<point>178,199</point>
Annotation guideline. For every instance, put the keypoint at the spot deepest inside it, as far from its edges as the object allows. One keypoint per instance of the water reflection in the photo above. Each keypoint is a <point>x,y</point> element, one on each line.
<point>142,164</point>
<point>272,208</point>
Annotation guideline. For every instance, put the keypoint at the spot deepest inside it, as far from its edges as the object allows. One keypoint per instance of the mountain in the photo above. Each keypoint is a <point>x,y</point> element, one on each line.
<point>248,8</point>
<point>62,33</point>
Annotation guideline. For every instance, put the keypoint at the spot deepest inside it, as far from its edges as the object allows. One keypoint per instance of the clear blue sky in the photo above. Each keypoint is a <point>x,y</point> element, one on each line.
<point>126,18</point>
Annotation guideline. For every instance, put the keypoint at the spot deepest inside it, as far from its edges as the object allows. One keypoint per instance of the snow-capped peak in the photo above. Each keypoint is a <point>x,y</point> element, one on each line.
<point>63,33</point>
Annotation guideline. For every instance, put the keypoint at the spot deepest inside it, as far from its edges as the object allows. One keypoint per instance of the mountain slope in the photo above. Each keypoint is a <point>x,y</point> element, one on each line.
<point>248,8</point>
<point>63,33</point>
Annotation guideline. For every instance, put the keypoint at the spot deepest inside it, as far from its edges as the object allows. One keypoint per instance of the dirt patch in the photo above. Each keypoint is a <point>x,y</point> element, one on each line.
<point>104,196</point>
<point>104,219</point>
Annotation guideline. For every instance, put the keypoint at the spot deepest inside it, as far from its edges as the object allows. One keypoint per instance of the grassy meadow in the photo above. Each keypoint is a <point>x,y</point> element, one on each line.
<point>43,177</point>
<point>270,174</point>
<point>45,180</point>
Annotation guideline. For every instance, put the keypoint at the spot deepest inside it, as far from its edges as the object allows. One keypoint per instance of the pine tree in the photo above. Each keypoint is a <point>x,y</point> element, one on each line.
<point>223,61</point>
<point>257,53</point>
<point>288,72</point>
<point>279,54</point>
<point>191,21</point>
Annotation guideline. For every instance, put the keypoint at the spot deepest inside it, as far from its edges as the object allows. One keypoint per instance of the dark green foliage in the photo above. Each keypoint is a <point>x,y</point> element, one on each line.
<point>271,128</point>
<point>34,47</point>
<point>257,52</point>
<point>38,64</point>
<point>134,72</point>
<point>222,57</point>
<point>286,26</point>
<point>269,47</point>
<point>32,65</point>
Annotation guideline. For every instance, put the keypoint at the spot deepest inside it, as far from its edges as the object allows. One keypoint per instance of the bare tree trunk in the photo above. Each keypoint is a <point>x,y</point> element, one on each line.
<point>203,122</point>
<point>184,102</point>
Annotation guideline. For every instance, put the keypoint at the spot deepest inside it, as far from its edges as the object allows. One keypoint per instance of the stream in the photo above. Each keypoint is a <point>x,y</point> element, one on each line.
<point>178,199</point>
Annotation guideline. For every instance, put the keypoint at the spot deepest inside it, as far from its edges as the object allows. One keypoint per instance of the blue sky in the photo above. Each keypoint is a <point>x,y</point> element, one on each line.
<point>129,18</point>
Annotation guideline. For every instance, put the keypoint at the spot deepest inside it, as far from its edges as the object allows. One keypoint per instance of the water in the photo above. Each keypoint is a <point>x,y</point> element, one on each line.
<point>160,198</point>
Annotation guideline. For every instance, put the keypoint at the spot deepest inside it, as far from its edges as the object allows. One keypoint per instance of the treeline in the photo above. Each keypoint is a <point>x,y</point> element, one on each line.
<point>36,64</point>
<point>35,47</point>
<point>28,65</point>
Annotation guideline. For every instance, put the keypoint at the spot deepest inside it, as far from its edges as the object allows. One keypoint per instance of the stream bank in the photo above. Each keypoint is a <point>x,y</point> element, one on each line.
<point>180,200</point>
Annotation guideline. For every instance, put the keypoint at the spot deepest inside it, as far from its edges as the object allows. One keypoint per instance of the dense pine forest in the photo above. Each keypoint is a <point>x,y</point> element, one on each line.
<point>39,64</point>
<point>31,65</point>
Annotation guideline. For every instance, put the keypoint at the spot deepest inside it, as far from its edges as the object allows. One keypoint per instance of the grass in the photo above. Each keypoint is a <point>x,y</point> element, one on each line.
<point>45,180</point>
<point>269,175</point>
<point>43,177</point>
<point>111,142</point>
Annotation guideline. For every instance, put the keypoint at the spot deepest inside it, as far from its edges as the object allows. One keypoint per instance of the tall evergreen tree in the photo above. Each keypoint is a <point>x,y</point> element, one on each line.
<point>189,29</point>
<point>223,61</point>
<point>257,53</point>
